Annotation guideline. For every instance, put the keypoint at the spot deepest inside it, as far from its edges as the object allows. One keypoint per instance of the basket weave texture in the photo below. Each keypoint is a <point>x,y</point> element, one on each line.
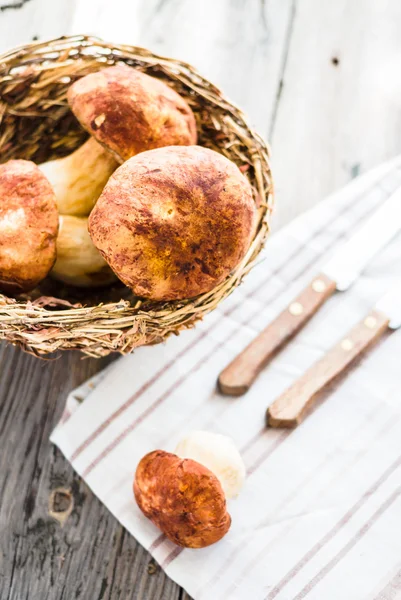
<point>37,124</point>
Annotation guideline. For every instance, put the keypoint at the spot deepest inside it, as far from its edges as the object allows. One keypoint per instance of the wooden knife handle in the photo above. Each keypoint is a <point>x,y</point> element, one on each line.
<point>290,408</point>
<point>239,375</point>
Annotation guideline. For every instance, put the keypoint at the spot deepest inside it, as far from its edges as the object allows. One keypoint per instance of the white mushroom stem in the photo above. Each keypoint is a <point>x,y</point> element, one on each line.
<point>219,454</point>
<point>79,178</point>
<point>78,262</point>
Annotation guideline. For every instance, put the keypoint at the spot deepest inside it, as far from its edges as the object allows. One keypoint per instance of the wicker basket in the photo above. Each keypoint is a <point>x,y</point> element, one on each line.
<point>36,124</point>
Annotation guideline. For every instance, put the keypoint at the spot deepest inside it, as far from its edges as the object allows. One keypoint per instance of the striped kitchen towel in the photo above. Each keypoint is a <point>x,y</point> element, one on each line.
<point>320,513</point>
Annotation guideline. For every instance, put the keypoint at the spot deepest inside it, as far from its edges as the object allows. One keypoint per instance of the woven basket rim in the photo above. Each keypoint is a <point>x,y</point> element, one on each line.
<point>34,323</point>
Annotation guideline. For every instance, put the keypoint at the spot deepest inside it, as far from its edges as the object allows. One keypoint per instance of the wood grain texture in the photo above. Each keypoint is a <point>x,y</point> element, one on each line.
<point>340,99</point>
<point>90,556</point>
<point>274,58</point>
<point>22,21</point>
<point>292,406</point>
<point>238,376</point>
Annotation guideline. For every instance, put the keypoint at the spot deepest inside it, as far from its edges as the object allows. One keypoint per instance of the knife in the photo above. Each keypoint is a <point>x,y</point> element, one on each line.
<point>292,406</point>
<point>337,274</point>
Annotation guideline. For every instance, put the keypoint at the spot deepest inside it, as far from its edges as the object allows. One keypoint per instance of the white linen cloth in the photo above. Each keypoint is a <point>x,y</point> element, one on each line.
<point>320,513</point>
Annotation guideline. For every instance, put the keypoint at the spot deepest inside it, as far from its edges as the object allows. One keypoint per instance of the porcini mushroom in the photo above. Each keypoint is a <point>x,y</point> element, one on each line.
<point>126,112</point>
<point>79,178</point>
<point>183,498</point>
<point>78,262</point>
<point>219,454</point>
<point>28,226</point>
<point>173,222</point>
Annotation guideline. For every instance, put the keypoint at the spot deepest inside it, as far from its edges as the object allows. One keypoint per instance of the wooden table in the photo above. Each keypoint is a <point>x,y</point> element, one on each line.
<point>321,80</point>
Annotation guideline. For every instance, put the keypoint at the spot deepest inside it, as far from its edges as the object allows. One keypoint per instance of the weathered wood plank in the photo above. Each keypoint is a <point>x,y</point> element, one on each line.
<point>90,556</point>
<point>24,20</point>
<point>340,106</point>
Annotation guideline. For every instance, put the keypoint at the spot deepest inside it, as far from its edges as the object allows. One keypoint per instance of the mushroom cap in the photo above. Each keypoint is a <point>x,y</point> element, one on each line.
<point>183,498</point>
<point>78,262</point>
<point>128,111</point>
<point>174,222</point>
<point>28,226</point>
<point>218,453</point>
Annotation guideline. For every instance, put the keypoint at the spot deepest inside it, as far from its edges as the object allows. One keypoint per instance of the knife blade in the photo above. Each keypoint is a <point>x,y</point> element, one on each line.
<point>390,305</point>
<point>292,406</point>
<point>344,266</point>
<point>348,262</point>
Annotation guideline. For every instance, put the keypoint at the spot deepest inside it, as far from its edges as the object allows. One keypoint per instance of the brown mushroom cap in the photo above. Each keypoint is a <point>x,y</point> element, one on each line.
<point>183,498</point>
<point>128,111</point>
<point>28,226</point>
<point>172,223</point>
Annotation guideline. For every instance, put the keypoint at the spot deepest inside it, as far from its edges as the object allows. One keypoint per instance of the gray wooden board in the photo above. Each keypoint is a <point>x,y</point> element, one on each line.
<point>327,122</point>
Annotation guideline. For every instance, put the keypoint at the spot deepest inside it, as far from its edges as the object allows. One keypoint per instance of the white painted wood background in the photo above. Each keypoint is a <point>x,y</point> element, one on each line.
<point>326,122</point>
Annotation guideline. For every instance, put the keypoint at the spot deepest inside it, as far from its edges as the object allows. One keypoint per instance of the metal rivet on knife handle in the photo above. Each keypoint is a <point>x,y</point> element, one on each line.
<point>292,406</point>
<point>370,322</point>
<point>347,344</point>
<point>296,309</point>
<point>319,286</point>
<point>239,375</point>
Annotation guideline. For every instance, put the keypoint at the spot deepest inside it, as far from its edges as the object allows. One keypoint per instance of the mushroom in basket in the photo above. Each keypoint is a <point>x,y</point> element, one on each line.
<point>174,222</point>
<point>78,262</point>
<point>184,494</point>
<point>28,226</point>
<point>126,112</point>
